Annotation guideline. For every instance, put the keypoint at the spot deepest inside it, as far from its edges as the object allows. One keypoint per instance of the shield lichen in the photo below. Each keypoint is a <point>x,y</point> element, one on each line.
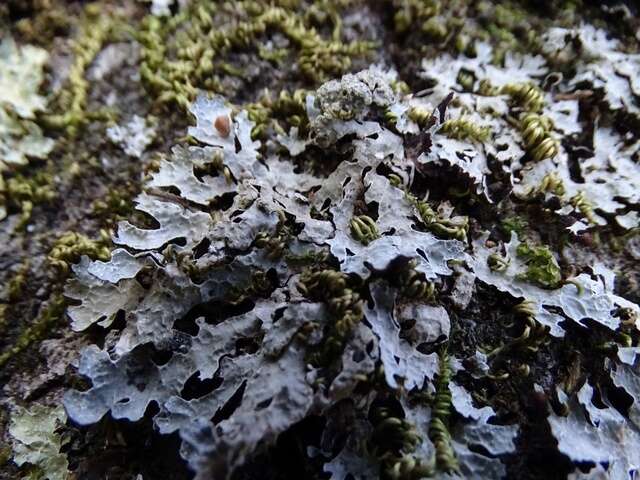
<point>405,274</point>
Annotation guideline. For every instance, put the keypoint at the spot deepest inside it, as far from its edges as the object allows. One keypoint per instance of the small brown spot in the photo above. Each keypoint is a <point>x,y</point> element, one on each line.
<point>223,125</point>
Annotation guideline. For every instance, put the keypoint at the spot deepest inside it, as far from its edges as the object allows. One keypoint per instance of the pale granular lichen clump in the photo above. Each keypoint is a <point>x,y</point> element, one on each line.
<point>350,96</point>
<point>37,441</point>
<point>21,77</point>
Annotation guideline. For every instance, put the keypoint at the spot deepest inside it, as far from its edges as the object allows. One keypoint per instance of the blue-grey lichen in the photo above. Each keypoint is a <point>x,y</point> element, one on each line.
<point>281,381</point>
<point>599,61</point>
<point>327,280</point>
<point>600,436</point>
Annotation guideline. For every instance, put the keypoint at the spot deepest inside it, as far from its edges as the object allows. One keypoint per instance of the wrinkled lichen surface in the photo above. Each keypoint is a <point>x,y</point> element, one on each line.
<point>319,239</point>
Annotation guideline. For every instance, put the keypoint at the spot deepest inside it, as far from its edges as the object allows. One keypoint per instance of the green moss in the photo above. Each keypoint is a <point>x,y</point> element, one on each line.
<point>504,24</point>
<point>394,443</point>
<point>307,259</point>
<point>363,229</point>
<point>420,115</point>
<point>408,13</point>
<point>584,206</point>
<point>526,95</point>
<point>5,455</point>
<point>465,129</point>
<point>275,244</point>
<point>24,192</point>
<point>201,46</point>
<point>552,183</point>
<point>70,246</point>
<point>533,336</point>
<point>116,205</point>
<point>435,29</point>
<point>67,249</point>
<point>281,113</point>
<point>456,227</point>
<point>535,129</point>
<point>50,19</point>
<point>466,79</point>
<point>49,316</point>
<point>542,267</point>
<point>3,317</point>
<point>18,282</point>
<point>514,224</point>
<point>345,305</point>
<point>72,100</point>
<point>276,55</point>
<point>445,458</point>
<point>497,263</point>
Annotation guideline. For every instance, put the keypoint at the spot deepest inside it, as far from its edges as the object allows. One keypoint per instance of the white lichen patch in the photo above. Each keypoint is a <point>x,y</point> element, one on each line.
<point>134,136</point>
<point>37,441</point>
<point>21,76</point>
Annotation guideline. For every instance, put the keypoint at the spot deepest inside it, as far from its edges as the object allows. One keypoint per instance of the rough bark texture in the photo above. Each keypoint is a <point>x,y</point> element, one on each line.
<point>68,205</point>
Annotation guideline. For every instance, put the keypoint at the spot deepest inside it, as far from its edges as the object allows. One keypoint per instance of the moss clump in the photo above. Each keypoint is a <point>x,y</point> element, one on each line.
<point>542,267</point>
<point>408,13</point>
<point>49,20</point>
<point>5,455</point>
<point>536,133</point>
<point>18,282</point>
<point>116,204</point>
<point>307,259</point>
<point>515,224</point>
<point>452,227</point>
<point>68,249</point>
<point>584,206</point>
<point>200,46</point>
<point>282,113</point>
<point>23,193</point>
<point>70,246</point>
<point>421,115</point>
<point>275,245</point>
<point>395,442</point>
<point>3,316</point>
<point>502,24</point>
<point>445,457</point>
<point>15,288</point>
<point>49,316</point>
<point>465,129</point>
<point>526,95</point>
<point>364,229</point>
<point>414,284</point>
<point>345,305</point>
<point>455,227</point>
<point>72,100</point>
<point>552,183</point>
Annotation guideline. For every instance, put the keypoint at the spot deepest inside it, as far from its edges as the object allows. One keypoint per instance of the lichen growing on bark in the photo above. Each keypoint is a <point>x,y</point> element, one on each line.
<point>398,239</point>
